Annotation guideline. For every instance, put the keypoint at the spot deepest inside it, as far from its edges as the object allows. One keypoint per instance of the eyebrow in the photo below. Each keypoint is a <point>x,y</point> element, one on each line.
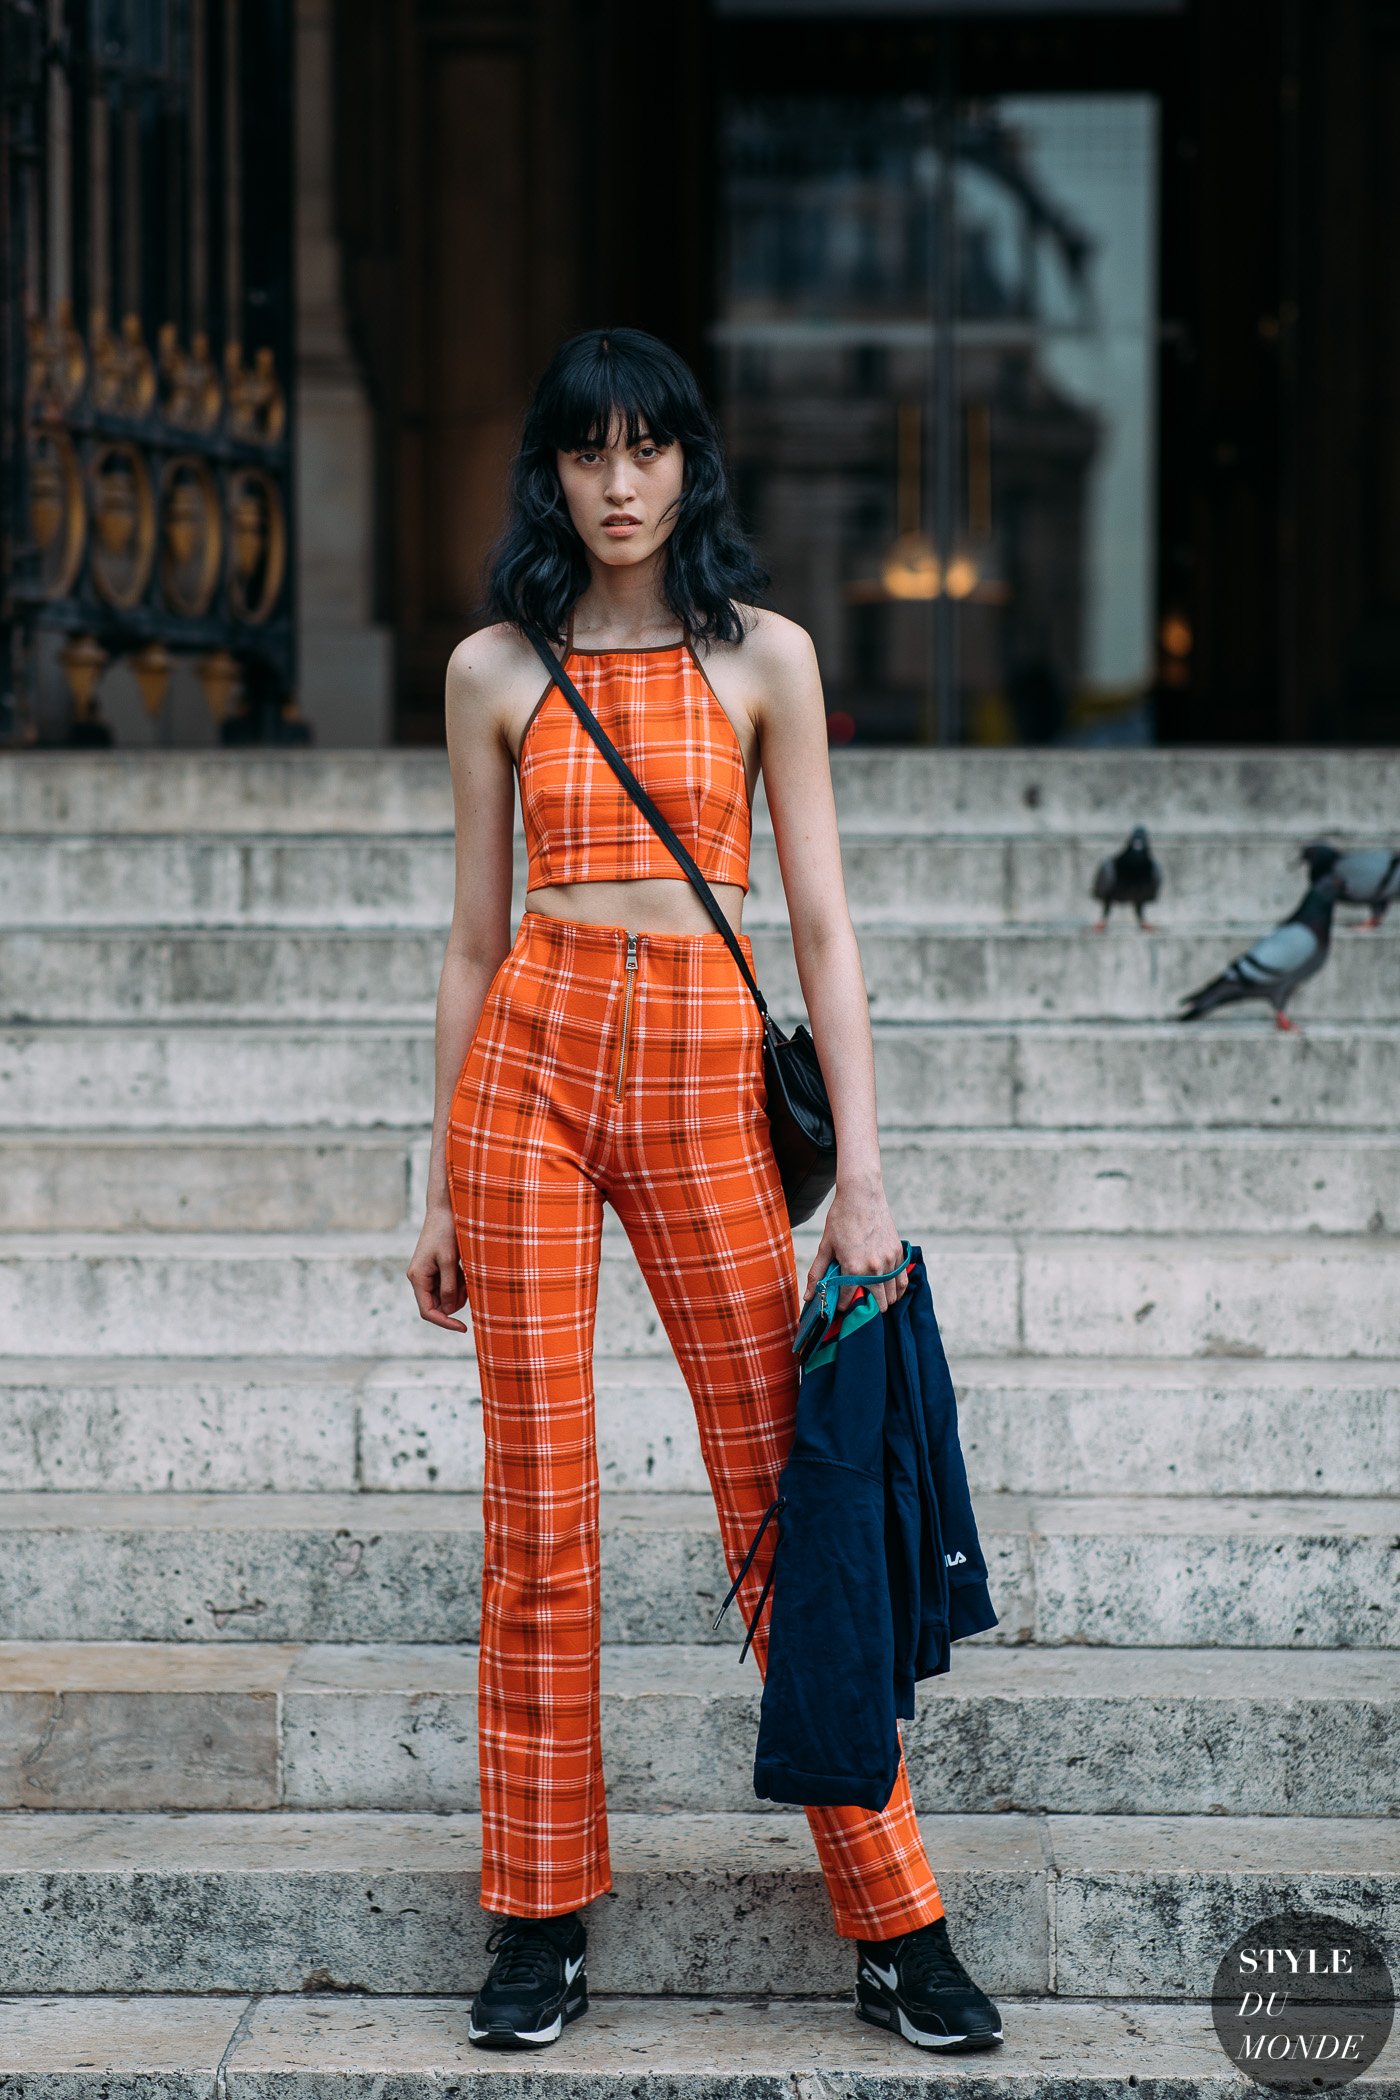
<point>643,437</point>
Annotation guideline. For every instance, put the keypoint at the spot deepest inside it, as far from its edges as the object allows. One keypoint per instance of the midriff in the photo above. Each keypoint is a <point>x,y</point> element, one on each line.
<point>650,904</point>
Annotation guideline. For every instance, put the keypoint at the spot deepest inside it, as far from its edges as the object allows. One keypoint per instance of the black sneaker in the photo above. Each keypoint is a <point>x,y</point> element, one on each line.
<point>916,1985</point>
<point>537,1982</point>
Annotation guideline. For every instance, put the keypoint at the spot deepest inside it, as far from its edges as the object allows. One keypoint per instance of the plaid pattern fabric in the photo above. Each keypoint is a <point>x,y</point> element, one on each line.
<point>661,712</point>
<point>537,1139</point>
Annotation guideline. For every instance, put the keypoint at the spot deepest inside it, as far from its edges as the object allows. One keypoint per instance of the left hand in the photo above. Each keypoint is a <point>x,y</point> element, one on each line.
<point>861,1236</point>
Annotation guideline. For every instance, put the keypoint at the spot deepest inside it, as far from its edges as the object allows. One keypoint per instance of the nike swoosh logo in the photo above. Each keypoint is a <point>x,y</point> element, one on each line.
<point>889,1977</point>
<point>571,1968</point>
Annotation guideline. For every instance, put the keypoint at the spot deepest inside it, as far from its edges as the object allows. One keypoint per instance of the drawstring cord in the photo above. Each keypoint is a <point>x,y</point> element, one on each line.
<point>771,1511</point>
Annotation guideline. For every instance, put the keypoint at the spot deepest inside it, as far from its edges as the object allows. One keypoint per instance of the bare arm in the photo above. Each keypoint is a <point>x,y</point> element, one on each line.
<point>483,800</point>
<point>859,1232</point>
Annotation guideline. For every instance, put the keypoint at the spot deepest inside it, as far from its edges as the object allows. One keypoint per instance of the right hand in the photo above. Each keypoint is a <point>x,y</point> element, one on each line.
<point>436,1270</point>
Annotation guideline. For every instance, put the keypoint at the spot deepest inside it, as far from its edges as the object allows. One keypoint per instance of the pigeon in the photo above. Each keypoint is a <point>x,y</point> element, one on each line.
<point>1278,962</point>
<point>1130,877</point>
<point>1367,874</point>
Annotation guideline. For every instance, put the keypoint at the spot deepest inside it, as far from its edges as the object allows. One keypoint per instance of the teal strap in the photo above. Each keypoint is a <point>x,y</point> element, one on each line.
<point>840,1278</point>
<point>815,1313</point>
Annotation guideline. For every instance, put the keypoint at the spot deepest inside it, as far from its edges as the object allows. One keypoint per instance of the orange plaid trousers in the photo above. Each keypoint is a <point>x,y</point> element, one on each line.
<point>585,1080</point>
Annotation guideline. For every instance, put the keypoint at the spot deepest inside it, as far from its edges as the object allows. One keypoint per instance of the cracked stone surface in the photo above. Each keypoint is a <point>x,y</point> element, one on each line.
<point>622,2049</point>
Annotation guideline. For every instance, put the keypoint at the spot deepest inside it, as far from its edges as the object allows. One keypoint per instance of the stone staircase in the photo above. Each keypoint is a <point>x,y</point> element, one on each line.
<point>239,1477</point>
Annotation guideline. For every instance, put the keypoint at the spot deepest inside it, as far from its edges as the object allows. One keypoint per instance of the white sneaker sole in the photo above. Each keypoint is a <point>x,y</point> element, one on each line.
<point>895,2016</point>
<point>530,2038</point>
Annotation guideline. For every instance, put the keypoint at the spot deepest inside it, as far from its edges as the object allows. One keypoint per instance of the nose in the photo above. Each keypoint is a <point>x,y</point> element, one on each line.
<point>618,490</point>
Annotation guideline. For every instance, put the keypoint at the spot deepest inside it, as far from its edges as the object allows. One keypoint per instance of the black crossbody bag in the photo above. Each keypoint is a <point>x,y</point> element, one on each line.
<point>799,1112</point>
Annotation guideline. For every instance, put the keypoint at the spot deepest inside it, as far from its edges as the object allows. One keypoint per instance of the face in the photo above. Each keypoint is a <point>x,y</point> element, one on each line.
<point>622,498</point>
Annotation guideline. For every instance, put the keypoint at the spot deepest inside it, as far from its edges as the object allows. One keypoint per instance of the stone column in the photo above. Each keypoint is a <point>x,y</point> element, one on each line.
<point>345,671</point>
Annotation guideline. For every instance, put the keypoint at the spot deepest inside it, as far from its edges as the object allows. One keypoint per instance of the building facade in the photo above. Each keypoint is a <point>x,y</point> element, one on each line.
<point>1052,348</point>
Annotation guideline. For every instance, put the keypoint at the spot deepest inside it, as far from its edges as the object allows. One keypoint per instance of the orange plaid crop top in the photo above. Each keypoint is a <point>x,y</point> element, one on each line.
<point>663,715</point>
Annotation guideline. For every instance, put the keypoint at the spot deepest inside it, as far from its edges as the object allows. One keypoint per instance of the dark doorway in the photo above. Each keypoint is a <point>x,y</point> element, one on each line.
<point>1146,452</point>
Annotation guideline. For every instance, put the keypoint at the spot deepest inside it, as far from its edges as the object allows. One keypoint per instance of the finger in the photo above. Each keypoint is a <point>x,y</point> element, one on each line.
<point>437,1306</point>
<point>439,1319</point>
<point>429,1292</point>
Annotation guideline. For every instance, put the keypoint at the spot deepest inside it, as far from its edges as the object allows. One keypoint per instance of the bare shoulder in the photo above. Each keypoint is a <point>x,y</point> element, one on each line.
<point>780,673</point>
<point>488,662</point>
<point>493,677</point>
<point>776,646</point>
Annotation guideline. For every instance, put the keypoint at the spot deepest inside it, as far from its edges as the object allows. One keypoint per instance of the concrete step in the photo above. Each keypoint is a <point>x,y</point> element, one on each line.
<point>958,1181</point>
<point>1130,1731</point>
<point>300,1294</point>
<point>212,880</point>
<point>929,1075</point>
<point>986,974</point>
<point>1053,1426</point>
<point>680,2048</point>
<point>1301,792</point>
<point>1081,1295</point>
<point>1112,1571</point>
<point>389,1902</point>
<point>211,1181</point>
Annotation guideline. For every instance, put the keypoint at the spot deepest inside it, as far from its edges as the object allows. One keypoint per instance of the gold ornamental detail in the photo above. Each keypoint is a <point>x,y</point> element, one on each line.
<point>83,658</point>
<point>151,668</point>
<point>123,370</point>
<point>57,509</point>
<point>58,361</point>
<point>193,394</point>
<point>220,678</point>
<point>257,544</point>
<point>123,523</point>
<point>191,535</point>
<point>257,406</point>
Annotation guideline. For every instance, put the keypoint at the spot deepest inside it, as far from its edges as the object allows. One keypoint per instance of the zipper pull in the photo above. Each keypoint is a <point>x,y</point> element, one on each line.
<point>631,980</point>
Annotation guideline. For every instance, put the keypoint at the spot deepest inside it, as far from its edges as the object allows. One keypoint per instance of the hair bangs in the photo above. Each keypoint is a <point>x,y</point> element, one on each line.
<point>609,389</point>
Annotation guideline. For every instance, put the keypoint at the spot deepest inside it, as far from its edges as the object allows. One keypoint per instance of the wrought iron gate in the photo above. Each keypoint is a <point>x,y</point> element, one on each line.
<point>146,227</point>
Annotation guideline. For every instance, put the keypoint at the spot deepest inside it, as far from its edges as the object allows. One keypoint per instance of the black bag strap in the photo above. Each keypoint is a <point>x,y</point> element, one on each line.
<point>645,805</point>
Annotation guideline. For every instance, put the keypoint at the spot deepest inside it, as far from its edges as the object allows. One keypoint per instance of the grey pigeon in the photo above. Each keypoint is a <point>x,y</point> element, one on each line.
<point>1366,874</point>
<point>1130,877</point>
<point>1278,962</point>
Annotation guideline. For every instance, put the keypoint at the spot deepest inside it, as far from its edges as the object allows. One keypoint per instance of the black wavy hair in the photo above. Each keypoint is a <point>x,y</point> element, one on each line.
<point>538,567</point>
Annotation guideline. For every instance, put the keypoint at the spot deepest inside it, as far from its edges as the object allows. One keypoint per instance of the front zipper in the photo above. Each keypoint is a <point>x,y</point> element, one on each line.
<point>626,1013</point>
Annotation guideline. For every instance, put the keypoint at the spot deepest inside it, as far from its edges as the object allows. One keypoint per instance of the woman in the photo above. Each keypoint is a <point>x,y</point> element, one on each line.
<point>612,1051</point>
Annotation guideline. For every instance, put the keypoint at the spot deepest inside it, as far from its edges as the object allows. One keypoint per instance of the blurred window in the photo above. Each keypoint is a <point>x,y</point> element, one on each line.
<point>936,344</point>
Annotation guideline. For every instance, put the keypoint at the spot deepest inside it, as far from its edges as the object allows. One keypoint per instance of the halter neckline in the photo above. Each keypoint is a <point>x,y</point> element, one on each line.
<point>646,649</point>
